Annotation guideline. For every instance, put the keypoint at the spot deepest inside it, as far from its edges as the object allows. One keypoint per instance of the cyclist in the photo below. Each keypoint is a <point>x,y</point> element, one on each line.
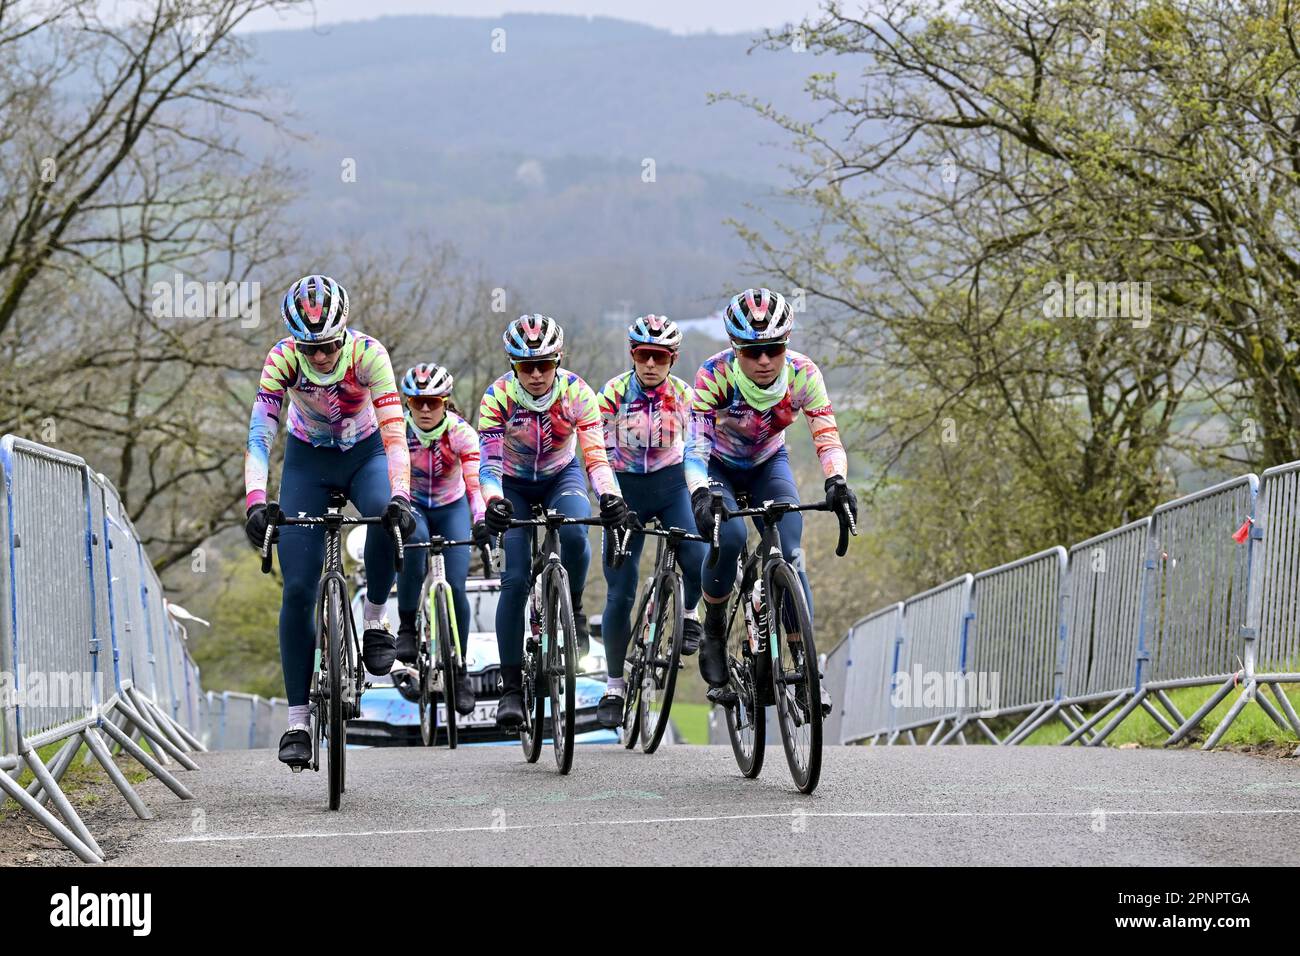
<point>745,398</point>
<point>444,491</point>
<point>530,421</point>
<point>645,412</point>
<point>345,432</point>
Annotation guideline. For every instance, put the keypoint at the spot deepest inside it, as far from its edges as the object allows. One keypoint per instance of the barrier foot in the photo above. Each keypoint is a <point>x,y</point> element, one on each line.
<point>938,729</point>
<point>1095,719</point>
<point>892,738</point>
<point>1287,709</point>
<point>1037,718</point>
<point>1118,719</point>
<point>1267,707</point>
<point>911,738</point>
<point>61,804</point>
<point>957,725</point>
<point>1158,717</point>
<point>158,738</point>
<point>48,820</point>
<point>1191,722</point>
<point>988,733</point>
<point>1169,706</point>
<point>157,717</point>
<point>1237,706</point>
<point>58,767</point>
<point>148,762</point>
<point>99,751</point>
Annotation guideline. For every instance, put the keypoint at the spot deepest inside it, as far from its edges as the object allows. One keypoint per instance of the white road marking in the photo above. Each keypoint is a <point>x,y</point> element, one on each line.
<point>793,814</point>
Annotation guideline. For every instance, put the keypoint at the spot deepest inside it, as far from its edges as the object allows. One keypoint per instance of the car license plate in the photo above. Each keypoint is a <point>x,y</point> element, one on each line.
<point>485,715</point>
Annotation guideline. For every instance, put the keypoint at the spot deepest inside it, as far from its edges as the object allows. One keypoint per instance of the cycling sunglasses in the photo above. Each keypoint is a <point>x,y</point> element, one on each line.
<point>324,348</point>
<point>770,349</point>
<point>650,354</point>
<point>532,366</point>
<point>424,403</point>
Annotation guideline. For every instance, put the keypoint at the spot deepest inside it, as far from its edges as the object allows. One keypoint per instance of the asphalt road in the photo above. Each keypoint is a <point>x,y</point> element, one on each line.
<point>689,805</point>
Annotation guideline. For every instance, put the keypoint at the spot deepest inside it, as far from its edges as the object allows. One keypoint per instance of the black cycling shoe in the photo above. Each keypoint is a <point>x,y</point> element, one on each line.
<point>378,650</point>
<point>713,660</point>
<point>406,647</point>
<point>609,712</point>
<point>510,708</point>
<point>295,748</point>
<point>464,695</point>
<point>692,631</point>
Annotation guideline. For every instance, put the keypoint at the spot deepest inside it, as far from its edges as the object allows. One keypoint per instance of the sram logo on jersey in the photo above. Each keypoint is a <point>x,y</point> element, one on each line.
<point>75,909</point>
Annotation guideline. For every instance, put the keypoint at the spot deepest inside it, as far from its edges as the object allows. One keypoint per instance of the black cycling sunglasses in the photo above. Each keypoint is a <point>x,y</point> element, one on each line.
<point>770,349</point>
<point>324,348</point>
<point>532,366</point>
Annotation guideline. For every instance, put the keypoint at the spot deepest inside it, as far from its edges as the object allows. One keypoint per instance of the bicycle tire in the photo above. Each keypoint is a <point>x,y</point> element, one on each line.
<point>660,669</point>
<point>561,659</point>
<point>447,664</point>
<point>631,726</point>
<point>334,653</point>
<point>531,730</point>
<point>796,684</point>
<point>746,718</point>
<point>428,707</point>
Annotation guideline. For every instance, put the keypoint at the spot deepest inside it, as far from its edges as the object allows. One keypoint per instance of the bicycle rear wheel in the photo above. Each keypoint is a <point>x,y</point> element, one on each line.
<point>633,668</point>
<point>531,730</point>
<point>662,653</point>
<point>336,727</point>
<point>561,660</point>
<point>746,717</point>
<point>428,707</point>
<point>796,683</point>
<point>446,663</point>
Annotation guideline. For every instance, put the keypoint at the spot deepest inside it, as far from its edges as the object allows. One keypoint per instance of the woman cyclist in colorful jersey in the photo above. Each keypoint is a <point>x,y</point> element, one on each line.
<point>645,412</point>
<point>745,398</point>
<point>345,434</point>
<point>530,421</point>
<point>445,495</point>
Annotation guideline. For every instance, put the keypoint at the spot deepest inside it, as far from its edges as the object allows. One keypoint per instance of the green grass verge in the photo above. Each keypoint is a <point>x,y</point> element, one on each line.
<point>691,721</point>
<point>1252,725</point>
<point>78,776</point>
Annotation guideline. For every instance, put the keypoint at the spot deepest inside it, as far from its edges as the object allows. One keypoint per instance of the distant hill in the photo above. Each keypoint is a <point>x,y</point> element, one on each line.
<point>531,160</point>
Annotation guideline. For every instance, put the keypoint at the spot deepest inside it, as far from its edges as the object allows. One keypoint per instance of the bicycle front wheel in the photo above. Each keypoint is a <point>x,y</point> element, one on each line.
<point>446,663</point>
<point>336,657</point>
<point>561,670</point>
<point>796,683</point>
<point>663,650</point>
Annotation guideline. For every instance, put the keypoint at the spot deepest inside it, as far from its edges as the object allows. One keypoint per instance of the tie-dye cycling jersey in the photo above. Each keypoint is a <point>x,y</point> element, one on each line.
<point>520,443</point>
<point>645,429</point>
<point>726,427</point>
<point>328,411</point>
<point>444,464</point>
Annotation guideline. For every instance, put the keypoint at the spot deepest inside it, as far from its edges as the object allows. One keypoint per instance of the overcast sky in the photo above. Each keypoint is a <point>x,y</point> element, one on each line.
<point>680,16</point>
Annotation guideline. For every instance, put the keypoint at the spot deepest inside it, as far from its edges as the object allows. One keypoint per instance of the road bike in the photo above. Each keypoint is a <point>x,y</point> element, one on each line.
<point>771,649</point>
<point>654,654</point>
<point>337,679</point>
<point>550,646</point>
<point>438,655</point>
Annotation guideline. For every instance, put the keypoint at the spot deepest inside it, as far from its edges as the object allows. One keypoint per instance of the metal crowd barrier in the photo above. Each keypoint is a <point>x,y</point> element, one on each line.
<point>1015,643</point>
<point>82,619</point>
<point>933,641</point>
<point>235,721</point>
<point>873,645</point>
<point>1205,591</point>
